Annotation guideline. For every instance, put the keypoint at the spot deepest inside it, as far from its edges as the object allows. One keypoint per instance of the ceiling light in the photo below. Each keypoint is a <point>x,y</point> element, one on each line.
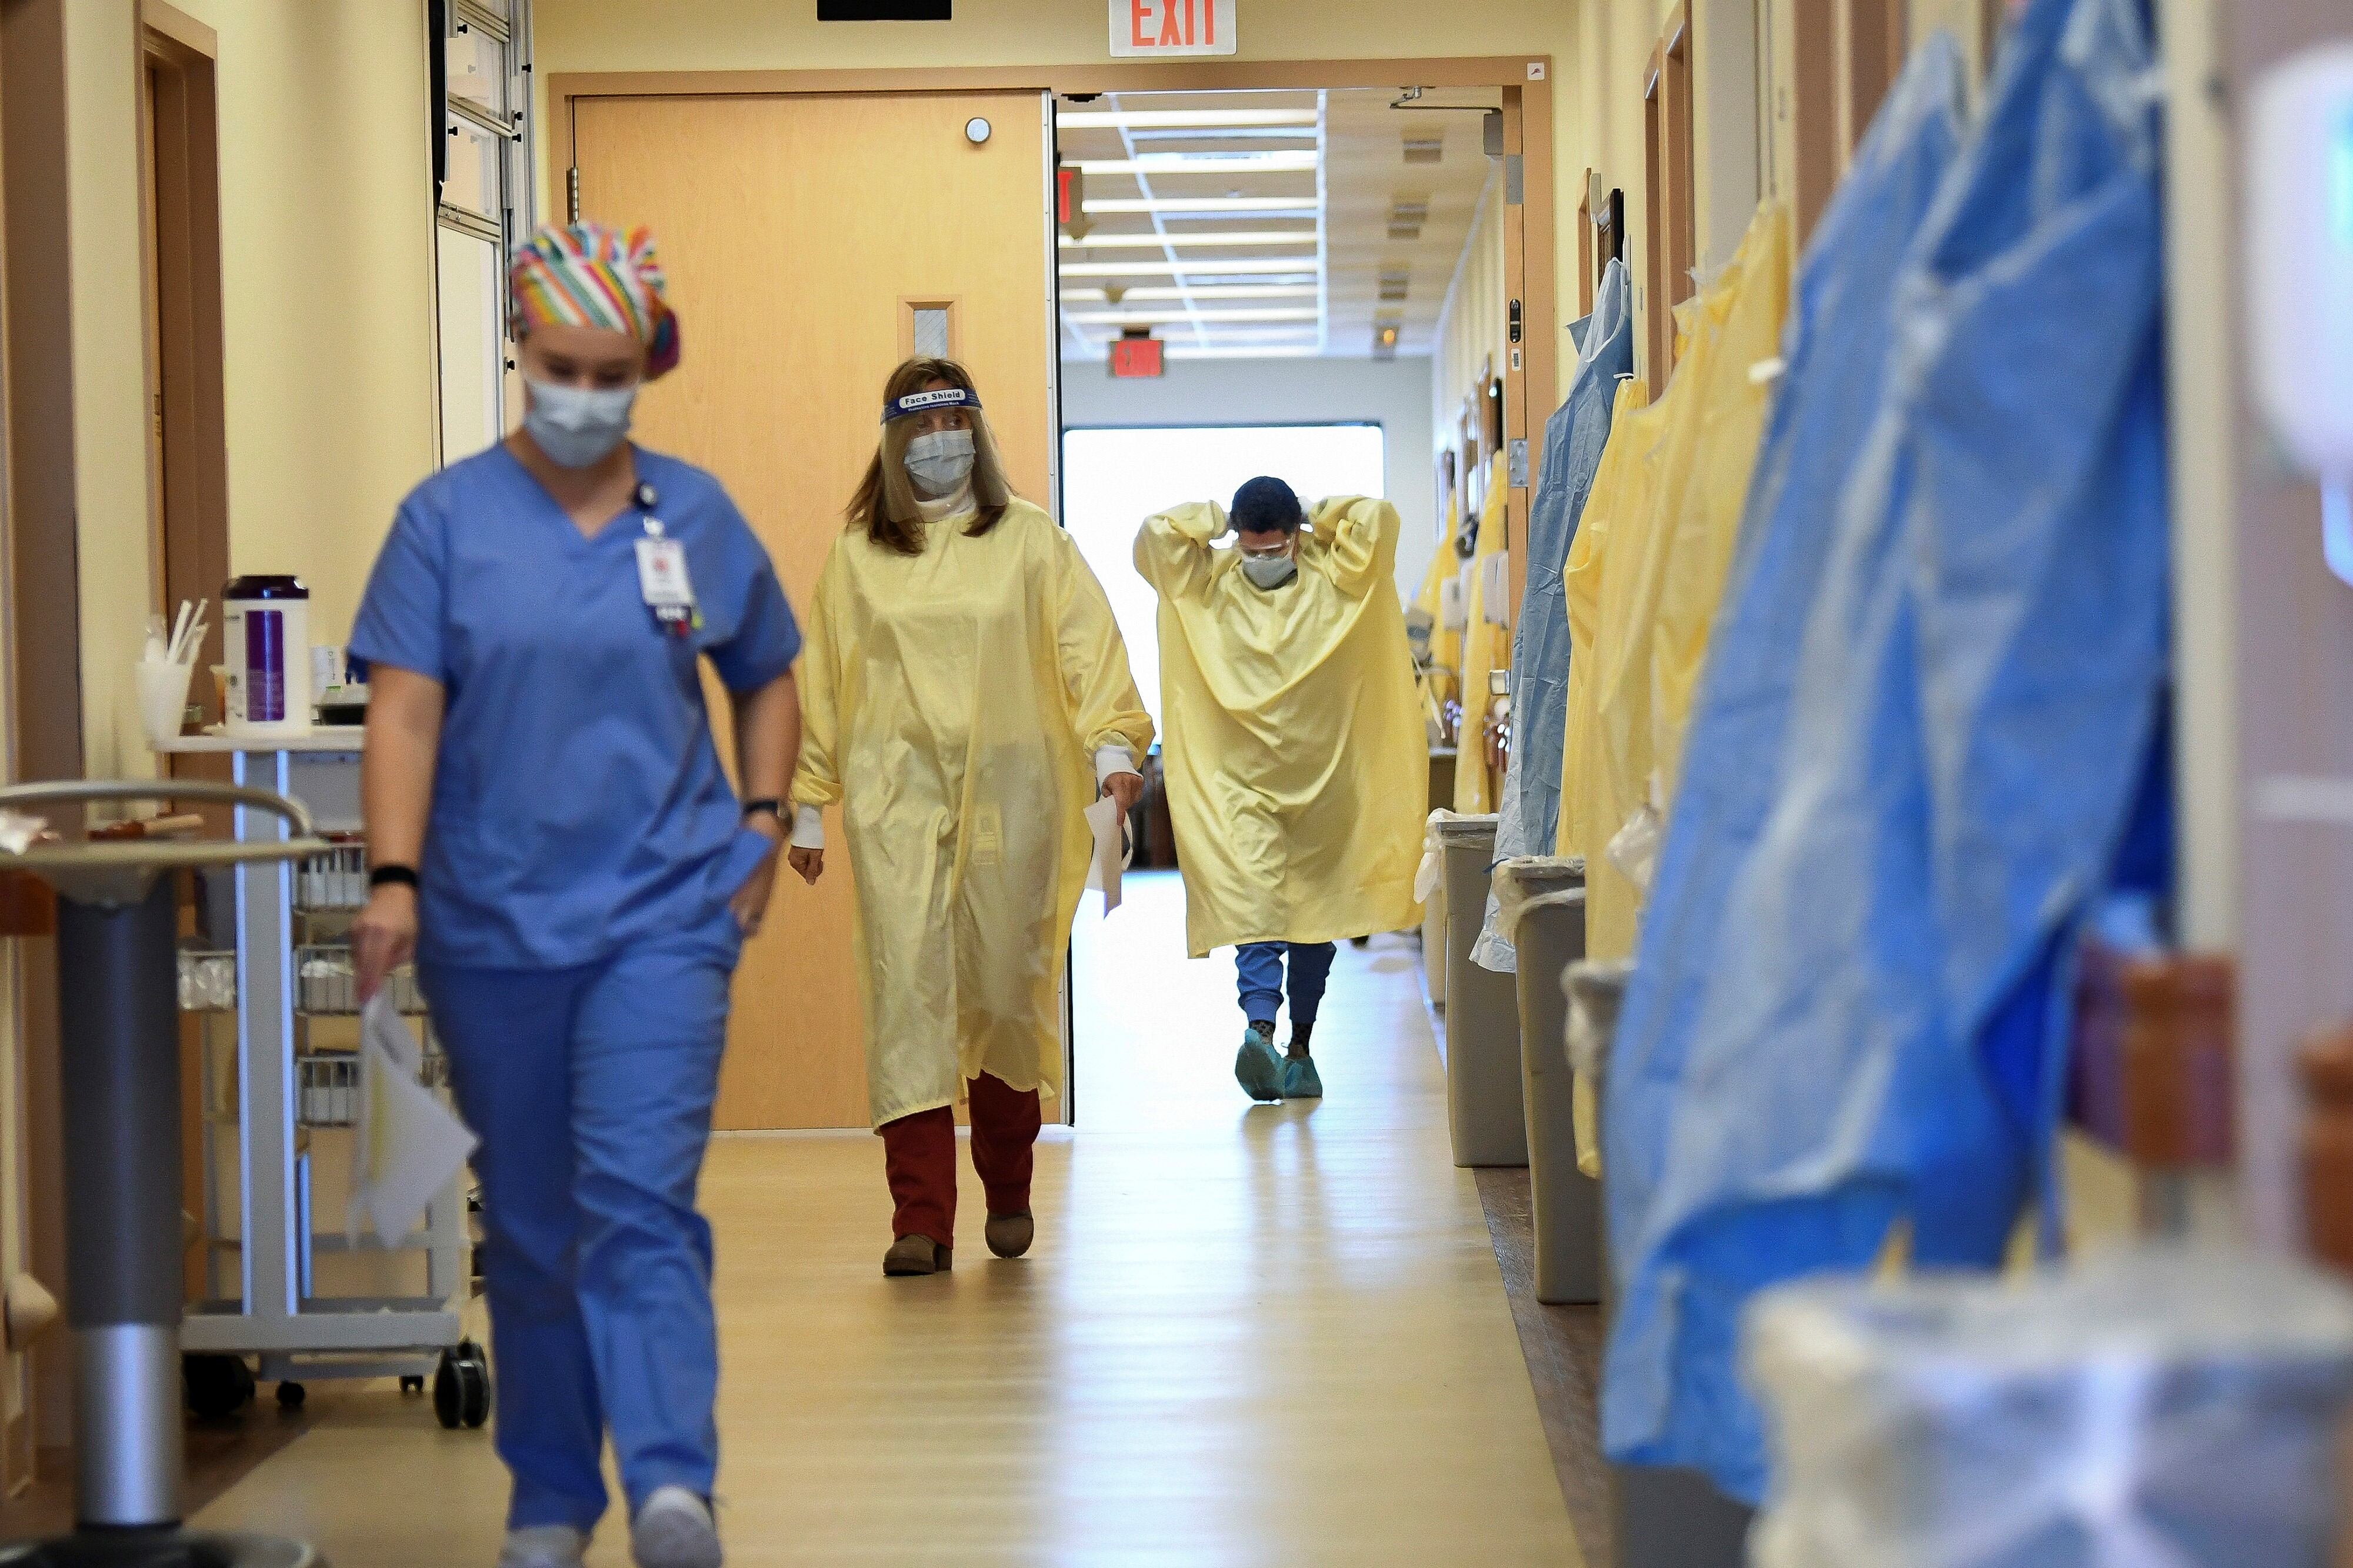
<point>1425,148</point>
<point>1142,318</point>
<point>1395,285</point>
<point>1155,241</point>
<point>1202,204</point>
<point>1167,118</point>
<point>1158,163</point>
<point>1270,267</point>
<point>1203,291</point>
<point>1413,212</point>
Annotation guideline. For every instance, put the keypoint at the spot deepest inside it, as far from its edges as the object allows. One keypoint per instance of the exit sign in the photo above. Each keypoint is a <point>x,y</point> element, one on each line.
<point>1136,358</point>
<point>1155,29</point>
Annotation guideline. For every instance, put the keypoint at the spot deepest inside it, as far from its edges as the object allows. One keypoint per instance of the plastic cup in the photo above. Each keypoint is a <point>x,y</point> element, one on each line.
<point>163,700</point>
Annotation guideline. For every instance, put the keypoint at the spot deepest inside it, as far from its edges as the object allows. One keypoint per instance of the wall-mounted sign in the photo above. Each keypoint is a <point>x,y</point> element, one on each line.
<point>1149,30</point>
<point>1136,358</point>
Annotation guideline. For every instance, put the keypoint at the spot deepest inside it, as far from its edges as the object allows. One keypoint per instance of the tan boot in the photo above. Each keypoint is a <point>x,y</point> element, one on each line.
<point>916,1255</point>
<point>1009,1234</point>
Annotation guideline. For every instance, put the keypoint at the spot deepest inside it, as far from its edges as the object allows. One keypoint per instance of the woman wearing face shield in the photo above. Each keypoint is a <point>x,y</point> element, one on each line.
<point>969,697</point>
<point>554,840</point>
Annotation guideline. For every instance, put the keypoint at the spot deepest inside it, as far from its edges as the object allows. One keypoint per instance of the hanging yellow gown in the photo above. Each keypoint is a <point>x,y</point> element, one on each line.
<point>1484,647</point>
<point>1296,757</point>
<point>1664,576</point>
<point>951,702</point>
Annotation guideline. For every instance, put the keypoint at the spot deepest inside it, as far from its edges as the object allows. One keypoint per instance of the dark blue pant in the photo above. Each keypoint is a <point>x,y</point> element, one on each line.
<point>591,1089</point>
<point>1258,966</point>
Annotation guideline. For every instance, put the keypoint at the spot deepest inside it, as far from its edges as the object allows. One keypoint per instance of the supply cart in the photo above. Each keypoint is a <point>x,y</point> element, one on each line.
<point>288,1295</point>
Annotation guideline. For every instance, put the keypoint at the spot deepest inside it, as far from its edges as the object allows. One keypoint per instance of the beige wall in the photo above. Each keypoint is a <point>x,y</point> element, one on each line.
<point>327,255</point>
<point>1472,343</point>
<point>327,315</point>
<point>753,34</point>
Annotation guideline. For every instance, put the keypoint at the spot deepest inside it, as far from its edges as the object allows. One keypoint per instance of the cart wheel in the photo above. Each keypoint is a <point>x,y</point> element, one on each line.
<point>412,1385</point>
<point>216,1386</point>
<point>461,1387</point>
<point>291,1395</point>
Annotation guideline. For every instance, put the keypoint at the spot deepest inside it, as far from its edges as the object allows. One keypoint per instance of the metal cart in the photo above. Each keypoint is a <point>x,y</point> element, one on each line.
<point>277,1015</point>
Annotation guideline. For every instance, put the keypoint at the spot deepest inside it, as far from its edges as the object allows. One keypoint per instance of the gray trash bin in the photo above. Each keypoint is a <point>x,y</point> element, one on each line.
<point>1662,1517</point>
<point>1482,1011</point>
<point>1542,900</point>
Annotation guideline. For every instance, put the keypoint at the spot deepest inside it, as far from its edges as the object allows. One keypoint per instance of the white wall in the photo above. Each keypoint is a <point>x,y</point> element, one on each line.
<point>1395,394</point>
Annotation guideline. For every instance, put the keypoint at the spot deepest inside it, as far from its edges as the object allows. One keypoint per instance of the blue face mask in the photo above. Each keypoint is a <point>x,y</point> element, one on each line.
<point>575,426</point>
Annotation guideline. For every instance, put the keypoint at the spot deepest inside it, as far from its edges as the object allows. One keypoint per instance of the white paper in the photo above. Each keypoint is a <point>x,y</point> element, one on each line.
<point>1111,850</point>
<point>408,1145</point>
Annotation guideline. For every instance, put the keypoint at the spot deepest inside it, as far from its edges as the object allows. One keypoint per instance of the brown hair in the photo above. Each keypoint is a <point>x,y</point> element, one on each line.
<point>882,508</point>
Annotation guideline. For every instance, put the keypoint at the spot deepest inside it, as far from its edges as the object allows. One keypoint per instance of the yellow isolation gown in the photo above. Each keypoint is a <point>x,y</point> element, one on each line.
<point>951,702</point>
<point>1484,646</point>
<point>1296,756</point>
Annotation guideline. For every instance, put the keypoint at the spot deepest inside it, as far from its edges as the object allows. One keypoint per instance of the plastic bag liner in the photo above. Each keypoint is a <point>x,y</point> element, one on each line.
<point>2162,1407</point>
<point>1596,991</point>
<point>1527,882</point>
<point>1430,875</point>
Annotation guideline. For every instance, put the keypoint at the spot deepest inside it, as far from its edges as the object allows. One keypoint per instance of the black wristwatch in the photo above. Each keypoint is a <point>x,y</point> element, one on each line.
<point>766,805</point>
<point>380,875</point>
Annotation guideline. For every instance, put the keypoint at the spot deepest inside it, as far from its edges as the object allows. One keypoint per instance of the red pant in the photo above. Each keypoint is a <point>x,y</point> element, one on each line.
<point>919,1153</point>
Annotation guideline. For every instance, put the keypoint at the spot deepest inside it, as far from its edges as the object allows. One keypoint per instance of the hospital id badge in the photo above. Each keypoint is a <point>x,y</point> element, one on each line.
<point>662,575</point>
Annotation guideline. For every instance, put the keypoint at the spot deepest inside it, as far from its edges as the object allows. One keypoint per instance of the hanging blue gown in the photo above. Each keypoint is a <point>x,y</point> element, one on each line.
<point>1529,816</point>
<point>1927,709</point>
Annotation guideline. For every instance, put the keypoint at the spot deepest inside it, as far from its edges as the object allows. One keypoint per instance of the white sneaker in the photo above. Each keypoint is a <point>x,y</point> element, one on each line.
<point>675,1529</point>
<point>545,1546</point>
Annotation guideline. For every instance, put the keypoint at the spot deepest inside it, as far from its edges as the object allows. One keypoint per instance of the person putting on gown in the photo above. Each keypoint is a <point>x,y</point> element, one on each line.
<point>1296,758</point>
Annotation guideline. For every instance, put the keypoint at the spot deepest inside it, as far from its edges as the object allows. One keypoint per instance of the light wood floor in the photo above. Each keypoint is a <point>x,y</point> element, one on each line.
<point>1247,1336</point>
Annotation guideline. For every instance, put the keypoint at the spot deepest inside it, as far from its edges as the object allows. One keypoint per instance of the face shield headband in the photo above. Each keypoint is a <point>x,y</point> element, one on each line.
<point>925,402</point>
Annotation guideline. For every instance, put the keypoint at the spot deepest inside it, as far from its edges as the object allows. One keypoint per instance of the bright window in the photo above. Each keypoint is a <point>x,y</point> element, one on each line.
<point>1113,479</point>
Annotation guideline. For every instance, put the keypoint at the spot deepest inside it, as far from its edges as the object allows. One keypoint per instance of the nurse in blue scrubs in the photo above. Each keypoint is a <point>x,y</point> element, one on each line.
<point>556,842</point>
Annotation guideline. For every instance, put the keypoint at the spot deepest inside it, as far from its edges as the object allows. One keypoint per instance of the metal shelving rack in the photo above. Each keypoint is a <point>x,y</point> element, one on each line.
<point>271,1081</point>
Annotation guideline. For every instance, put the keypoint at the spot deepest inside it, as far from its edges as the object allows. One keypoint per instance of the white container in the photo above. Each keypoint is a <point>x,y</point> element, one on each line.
<point>266,629</point>
<point>163,700</point>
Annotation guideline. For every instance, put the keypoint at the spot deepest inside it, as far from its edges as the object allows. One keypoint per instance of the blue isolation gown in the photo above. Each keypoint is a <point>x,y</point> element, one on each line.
<point>1928,710</point>
<point>1529,816</point>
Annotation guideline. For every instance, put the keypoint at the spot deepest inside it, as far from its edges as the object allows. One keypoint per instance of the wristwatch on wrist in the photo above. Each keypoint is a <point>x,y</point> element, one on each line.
<point>766,805</point>
<point>386,875</point>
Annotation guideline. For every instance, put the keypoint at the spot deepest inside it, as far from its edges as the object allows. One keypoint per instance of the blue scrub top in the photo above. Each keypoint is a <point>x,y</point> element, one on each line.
<point>578,801</point>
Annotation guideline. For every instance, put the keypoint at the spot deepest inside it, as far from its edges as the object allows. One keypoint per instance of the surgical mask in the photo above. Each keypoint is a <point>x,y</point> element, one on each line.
<point>575,426</point>
<point>1270,571</point>
<point>940,461</point>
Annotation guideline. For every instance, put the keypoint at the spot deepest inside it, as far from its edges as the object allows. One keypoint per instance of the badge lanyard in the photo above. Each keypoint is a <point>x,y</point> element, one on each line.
<point>661,573</point>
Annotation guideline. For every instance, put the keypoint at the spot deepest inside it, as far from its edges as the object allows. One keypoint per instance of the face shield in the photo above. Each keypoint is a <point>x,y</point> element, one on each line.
<point>926,455</point>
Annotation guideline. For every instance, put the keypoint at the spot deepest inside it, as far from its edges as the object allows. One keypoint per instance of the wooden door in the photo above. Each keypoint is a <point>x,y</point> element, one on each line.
<point>801,234</point>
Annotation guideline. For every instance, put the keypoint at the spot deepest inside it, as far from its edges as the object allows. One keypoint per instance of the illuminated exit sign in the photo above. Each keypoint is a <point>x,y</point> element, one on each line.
<point>1136,358</point>
<point>1154,29</point>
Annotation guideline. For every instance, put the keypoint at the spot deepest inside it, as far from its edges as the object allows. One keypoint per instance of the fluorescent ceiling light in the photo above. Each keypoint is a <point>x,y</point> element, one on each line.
<point>1171,119</point>
<point>1155,241</point>
<point>1268,267</point>
<point>1148,318</point>
<point>1202,204</point>
<point>1261,350</point>
<point>1207,291</point>
<point>1158,163</point>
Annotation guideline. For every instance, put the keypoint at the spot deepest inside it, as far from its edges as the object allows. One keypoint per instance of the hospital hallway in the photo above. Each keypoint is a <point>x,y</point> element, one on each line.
<point>1248,1335</point>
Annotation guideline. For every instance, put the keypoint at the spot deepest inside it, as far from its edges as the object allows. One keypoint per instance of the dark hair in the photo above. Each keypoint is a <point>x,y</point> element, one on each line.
<point>1265,505</point>
<point>870,509</point>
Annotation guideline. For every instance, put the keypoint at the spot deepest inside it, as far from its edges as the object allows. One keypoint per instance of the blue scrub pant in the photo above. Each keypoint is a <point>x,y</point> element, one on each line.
<point>591,1090</point>
<point>1258,966</point>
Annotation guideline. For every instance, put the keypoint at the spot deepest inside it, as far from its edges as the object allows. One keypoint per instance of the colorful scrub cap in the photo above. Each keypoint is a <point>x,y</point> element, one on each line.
<point>587,275</point>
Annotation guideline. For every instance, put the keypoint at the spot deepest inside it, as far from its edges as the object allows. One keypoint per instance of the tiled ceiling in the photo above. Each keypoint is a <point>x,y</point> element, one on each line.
<point>1246,225</point>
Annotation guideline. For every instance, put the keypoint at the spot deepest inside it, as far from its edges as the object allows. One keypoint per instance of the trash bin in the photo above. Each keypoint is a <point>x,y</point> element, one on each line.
<point>118,986</point>
<point>1661,1516</point>
<point>1482,1011</point>
<point>2164,1405</point>
<point>1541,900</point>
